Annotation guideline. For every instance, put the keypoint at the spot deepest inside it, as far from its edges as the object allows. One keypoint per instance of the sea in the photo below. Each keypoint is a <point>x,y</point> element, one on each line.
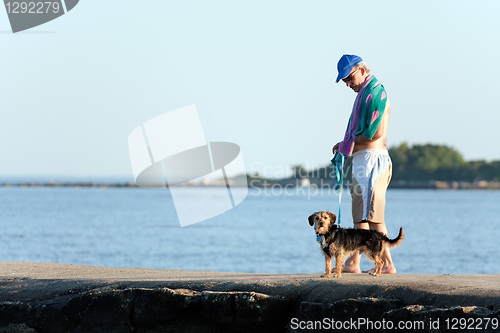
<point>446,231</point>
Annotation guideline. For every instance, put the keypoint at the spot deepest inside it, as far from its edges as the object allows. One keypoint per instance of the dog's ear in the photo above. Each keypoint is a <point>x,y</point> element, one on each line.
<point>311,219</point>
<point>333,218</point>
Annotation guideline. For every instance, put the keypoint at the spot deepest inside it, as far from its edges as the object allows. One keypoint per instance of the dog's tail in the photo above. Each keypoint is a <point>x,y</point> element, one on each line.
<point>396,241</point>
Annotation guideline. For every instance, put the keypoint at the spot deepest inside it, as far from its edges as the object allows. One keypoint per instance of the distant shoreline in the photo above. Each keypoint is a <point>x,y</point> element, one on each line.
<point>435,185</point>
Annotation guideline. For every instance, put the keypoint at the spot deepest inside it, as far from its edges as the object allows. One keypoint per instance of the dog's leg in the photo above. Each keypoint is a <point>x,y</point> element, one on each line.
<point>328,264</point>
<point>379,264</point>
<point>339,259</point>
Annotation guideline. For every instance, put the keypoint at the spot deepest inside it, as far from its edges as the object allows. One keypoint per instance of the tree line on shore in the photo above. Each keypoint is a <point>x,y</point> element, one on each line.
<point>428,162</point>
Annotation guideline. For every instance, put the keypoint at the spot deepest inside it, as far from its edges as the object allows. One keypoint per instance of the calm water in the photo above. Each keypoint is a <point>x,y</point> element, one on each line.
<point>454,232</point>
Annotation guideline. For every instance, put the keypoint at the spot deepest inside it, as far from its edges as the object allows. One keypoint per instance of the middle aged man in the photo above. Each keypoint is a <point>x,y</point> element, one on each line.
<point>365,141</point>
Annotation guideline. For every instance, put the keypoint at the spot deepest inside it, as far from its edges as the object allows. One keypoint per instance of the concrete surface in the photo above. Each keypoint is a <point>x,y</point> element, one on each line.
<point>24,281</point>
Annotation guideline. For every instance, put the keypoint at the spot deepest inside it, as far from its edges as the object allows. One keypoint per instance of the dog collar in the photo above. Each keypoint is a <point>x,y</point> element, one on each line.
<point>321,240</point>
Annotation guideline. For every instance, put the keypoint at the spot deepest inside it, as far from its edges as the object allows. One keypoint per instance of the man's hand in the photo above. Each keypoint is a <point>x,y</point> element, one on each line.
<point>335,148</point>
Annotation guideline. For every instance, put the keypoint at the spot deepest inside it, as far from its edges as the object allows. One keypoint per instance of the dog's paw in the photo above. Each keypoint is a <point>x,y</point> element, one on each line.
<point>325,275</point>
<point>374,274</point>
<point>337,274</point>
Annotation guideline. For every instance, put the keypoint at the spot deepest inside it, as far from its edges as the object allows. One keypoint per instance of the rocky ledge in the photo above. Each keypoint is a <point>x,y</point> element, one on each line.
<point>37,297</point>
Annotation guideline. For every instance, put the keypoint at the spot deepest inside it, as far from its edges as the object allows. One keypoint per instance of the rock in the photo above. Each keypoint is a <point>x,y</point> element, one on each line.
<point>14,313</point>
<point>446,319</point>
<point>344,311</point>
<point>149,310</point>
<point>17,328</point>
<point>367,307</point>
<point>207,311</point>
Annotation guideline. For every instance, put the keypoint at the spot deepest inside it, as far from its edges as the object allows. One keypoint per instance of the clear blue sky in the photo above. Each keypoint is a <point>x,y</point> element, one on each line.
<point>261,73</point>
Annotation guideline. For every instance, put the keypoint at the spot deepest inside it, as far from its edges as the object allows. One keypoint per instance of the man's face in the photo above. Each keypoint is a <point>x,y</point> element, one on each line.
<point>356,79</point>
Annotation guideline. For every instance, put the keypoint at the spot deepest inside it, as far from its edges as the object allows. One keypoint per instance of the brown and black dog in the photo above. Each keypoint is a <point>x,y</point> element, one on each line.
<point>339,242</point>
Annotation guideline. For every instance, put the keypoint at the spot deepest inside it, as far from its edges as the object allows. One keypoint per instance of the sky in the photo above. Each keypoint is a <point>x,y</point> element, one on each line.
<point>261,74</point>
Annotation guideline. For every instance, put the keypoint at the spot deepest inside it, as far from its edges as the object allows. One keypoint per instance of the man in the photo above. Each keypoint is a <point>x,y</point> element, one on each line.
<point>365,141</point>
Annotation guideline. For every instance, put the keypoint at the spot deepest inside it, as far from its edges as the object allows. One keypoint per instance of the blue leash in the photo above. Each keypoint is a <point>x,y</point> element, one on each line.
<point>338,163</point>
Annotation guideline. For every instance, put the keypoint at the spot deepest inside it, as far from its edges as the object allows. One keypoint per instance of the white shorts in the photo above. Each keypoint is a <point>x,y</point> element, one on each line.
<point>371,174</point>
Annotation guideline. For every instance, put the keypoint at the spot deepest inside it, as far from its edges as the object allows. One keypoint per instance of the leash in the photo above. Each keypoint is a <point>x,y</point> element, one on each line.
<point>338,162</point>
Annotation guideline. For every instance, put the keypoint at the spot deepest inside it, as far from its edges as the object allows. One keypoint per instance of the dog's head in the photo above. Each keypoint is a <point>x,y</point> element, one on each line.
<point>322,221</point>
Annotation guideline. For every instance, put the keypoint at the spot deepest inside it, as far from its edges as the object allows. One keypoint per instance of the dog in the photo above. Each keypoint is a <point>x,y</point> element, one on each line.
<point>339,242</point>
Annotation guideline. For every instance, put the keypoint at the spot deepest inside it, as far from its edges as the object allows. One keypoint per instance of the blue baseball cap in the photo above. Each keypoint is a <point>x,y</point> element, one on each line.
<point>345,65</point>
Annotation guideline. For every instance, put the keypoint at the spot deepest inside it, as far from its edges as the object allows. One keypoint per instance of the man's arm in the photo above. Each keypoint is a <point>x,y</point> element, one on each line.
<point>361,139</point>
<point>379,138</point>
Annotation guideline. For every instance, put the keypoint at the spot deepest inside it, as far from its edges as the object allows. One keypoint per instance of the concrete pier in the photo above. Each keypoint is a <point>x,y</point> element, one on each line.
<point>43,297</point>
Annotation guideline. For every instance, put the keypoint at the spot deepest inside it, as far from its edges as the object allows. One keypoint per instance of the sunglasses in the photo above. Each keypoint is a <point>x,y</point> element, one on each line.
<point>349,78</point>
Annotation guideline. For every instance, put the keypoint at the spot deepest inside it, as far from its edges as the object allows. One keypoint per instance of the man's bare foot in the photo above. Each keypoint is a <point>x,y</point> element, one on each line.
<point>350,269</point>
<point>385,270</point>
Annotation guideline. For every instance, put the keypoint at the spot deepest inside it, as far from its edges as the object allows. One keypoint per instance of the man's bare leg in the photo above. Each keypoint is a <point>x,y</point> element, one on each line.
<point>388,267</point>
<point>351,265</point>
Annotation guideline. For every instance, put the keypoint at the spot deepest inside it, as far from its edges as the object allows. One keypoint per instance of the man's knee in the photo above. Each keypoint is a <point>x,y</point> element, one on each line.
<point>380,227</point>
<point>362,225</point>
